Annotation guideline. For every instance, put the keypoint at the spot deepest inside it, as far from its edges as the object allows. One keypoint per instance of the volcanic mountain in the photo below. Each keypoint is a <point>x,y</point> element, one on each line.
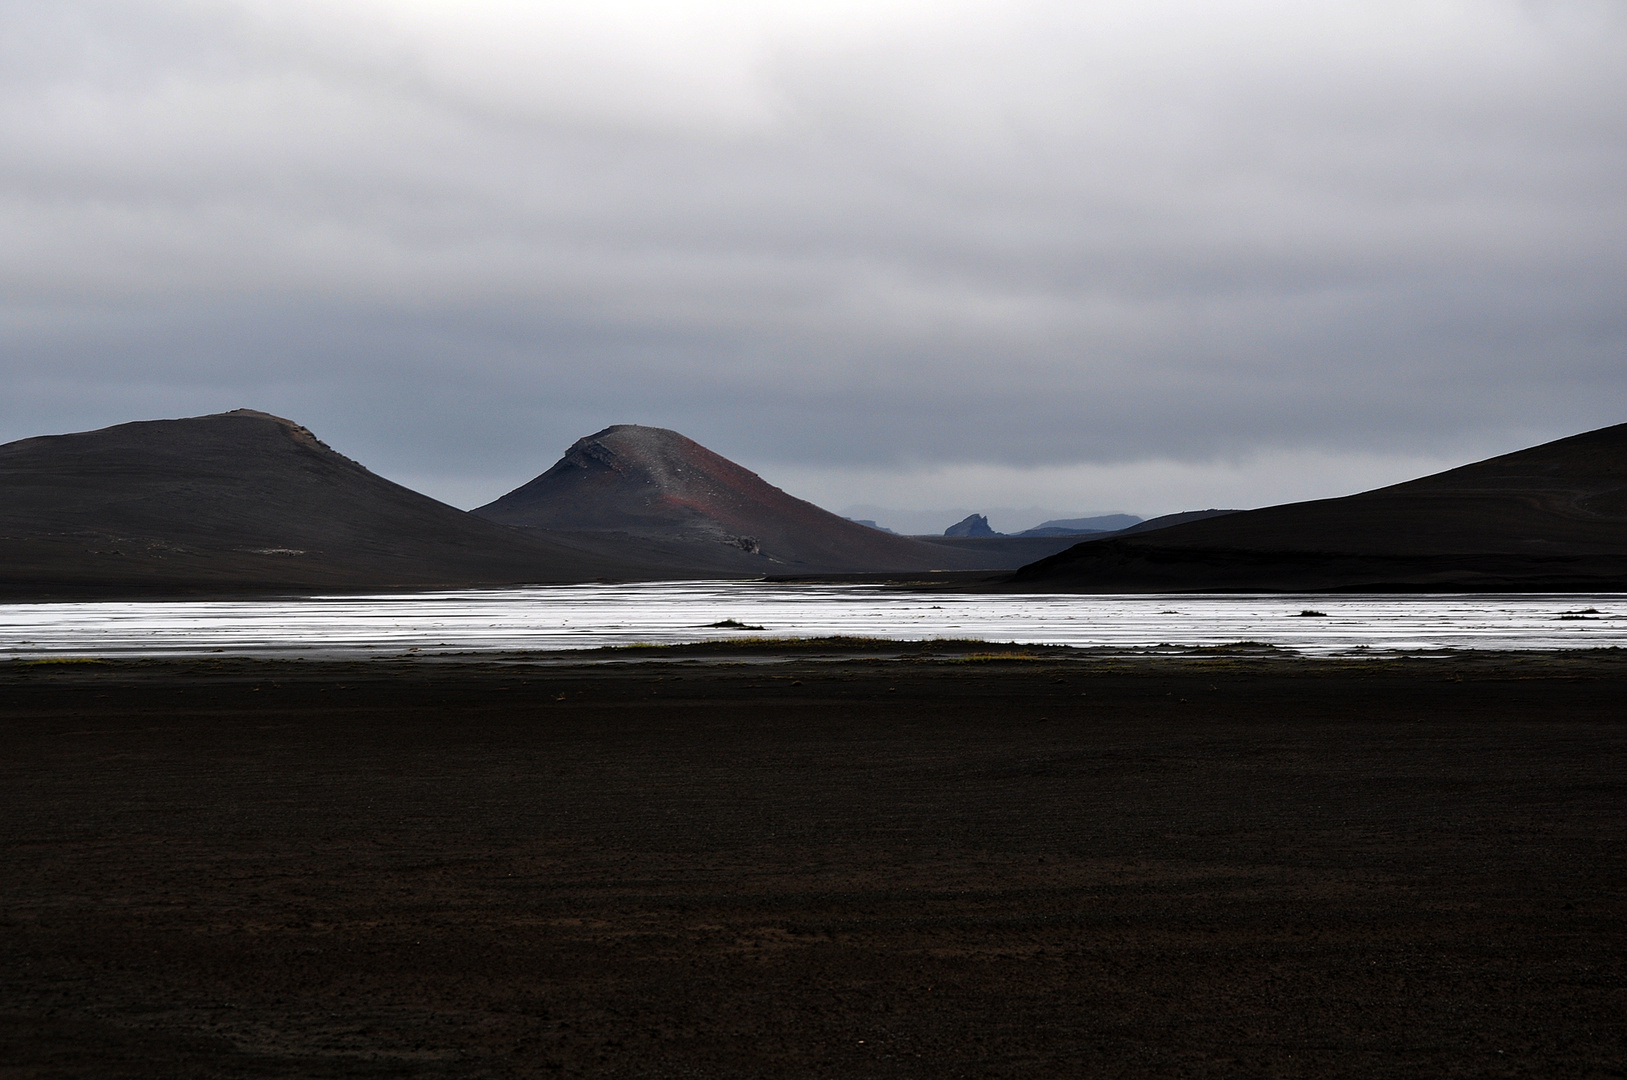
<point>245,500</point>
<point>656,485</point>
<point>1553,517</point>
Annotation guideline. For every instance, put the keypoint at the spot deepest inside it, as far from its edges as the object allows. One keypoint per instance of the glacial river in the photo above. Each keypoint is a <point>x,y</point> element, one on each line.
<point>592,616</point>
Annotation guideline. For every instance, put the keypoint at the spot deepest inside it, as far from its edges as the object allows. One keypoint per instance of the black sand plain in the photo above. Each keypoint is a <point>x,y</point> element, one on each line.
<point>825,861</point>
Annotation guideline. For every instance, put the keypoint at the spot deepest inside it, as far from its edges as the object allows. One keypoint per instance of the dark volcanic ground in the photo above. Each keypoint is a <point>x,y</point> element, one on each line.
<point>871,867</point>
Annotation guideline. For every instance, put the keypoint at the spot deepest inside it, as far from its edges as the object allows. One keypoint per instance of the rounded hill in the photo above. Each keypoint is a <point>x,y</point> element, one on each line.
<point>242,500</point>
<point>656,484</point>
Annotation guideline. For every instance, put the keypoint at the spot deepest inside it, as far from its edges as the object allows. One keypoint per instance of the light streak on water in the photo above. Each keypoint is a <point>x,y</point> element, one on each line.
<point>591,616</point>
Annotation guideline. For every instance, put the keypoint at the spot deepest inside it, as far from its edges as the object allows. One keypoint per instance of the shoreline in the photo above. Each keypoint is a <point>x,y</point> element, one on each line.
<point>319,664</point>
<point>574,621</point>
<point>980,582</point>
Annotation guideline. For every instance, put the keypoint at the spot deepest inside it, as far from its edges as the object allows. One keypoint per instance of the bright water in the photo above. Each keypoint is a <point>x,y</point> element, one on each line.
<point>590,616</point>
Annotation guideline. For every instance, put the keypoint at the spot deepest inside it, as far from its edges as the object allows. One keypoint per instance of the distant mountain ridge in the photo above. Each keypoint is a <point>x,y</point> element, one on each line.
<point>249,501</point>
<point>1550,517</point>
<point>977,526</point>
<point>1101,523</point>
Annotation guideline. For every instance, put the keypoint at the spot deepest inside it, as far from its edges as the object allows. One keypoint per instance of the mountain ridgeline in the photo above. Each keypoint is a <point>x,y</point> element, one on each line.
<point>977,526</point>
<point>1553,517</point>
<point>246,501</point>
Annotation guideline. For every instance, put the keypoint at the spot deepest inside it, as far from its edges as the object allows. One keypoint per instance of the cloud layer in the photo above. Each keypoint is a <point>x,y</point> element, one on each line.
<point>853,243</point>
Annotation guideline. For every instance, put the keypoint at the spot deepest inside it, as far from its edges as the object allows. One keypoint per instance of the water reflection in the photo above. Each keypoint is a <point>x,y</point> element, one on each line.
<point>588,616</point>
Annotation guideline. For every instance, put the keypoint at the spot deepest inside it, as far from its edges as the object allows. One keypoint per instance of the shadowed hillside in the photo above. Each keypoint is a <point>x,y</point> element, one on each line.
<point>1551,517</point>
<point>657,485</point>
<point>244,500</point>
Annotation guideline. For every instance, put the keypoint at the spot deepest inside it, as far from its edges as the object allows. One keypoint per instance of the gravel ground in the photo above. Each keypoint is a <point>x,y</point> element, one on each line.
<point>861,865</point>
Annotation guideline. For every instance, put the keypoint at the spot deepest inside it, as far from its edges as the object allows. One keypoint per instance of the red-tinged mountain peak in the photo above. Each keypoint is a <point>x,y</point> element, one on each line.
<point>676,466</point>
<point>656,483</point>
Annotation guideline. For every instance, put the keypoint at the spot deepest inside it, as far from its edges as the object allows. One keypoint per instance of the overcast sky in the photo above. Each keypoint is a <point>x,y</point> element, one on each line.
<point>1140,256</point>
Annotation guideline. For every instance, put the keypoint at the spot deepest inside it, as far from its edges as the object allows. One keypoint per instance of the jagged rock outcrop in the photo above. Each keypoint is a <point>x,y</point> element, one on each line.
<point>972,525</point>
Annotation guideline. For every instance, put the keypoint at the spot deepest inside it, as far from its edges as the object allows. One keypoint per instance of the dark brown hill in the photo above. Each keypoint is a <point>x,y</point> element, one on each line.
<point>1550,517</point>
<point>244,500</point>
<point>658,486</point>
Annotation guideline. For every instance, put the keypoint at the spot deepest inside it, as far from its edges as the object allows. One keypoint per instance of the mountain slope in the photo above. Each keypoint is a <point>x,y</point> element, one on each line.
<point>1550,517</point>
<point>656,485</point>
<point>243,500</point>
<point>1101,523</point>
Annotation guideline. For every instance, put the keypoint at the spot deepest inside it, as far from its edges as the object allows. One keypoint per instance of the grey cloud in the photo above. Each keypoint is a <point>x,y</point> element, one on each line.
<point>1027,236</point>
